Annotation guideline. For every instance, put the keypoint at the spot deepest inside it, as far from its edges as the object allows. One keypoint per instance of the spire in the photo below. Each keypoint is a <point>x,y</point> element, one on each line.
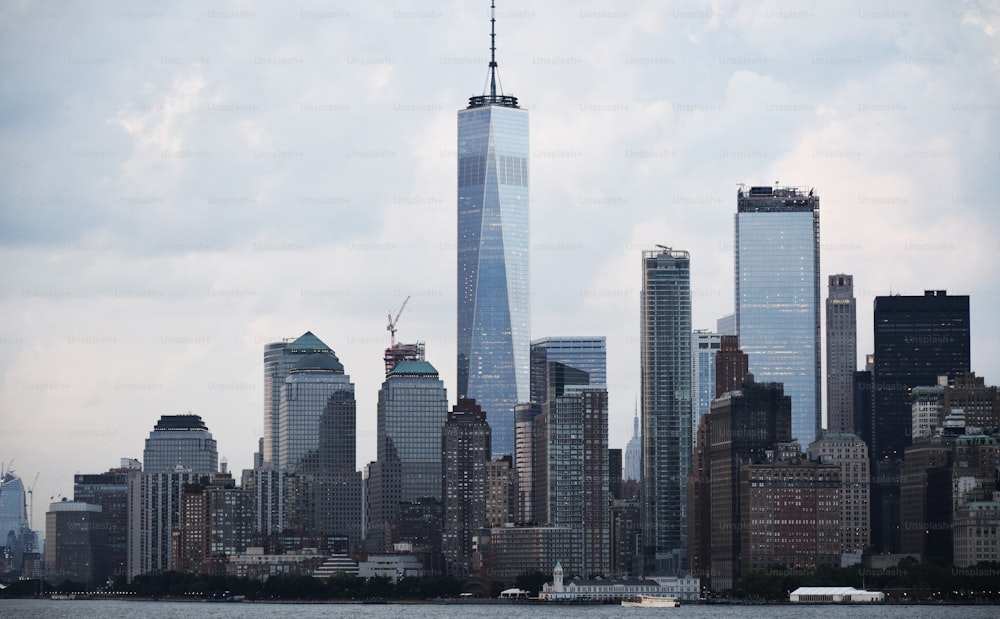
<point>493,49</point>
<point>493,98</point>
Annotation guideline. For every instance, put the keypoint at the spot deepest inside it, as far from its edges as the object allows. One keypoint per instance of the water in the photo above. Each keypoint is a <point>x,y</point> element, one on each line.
<point>106,609</point>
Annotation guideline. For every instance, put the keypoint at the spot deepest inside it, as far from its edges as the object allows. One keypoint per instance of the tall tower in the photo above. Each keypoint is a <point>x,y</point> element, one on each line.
<point>493,303</point>
<point>917,339</point>
<point>412,409</point>
<point>633,452</point>
<point>841,353</point>
<point>777,295</point>
<point>665,323</point>
<point>465,452</point>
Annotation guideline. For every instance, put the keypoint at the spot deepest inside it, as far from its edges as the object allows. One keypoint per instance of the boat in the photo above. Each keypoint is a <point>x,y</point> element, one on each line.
<point>652,601</point>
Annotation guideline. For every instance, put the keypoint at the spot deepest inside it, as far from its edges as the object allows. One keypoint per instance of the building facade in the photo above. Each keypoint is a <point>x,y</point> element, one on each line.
<point>777,295</point>
<point>110,491</point>
<point>587,353</point>
<point>493,248</point>
<point>76,547</point>
<point>851,454</point>
<point>917,339</point>
<point>841,352</point>
<point>412,409</point>
<point>665,360</point>
<point>465,451</point>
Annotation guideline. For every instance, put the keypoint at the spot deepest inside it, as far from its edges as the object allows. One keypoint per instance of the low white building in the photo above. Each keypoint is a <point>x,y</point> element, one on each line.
<point>393,566</point>
<point>611,590</point>
<point>835,595</point>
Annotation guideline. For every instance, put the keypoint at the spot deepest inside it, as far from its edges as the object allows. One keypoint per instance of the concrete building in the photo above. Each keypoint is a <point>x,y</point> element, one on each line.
<point>76,548</point>
<point>110,491</point>
<point>841,352</point>
<point>790,513</point>
<point>976,530</point>
<point>588,590</point>
<point>465,449</point>
<point>850,453</point>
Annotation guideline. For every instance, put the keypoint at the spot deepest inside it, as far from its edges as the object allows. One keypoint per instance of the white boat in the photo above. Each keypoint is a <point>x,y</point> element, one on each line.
<point>652,601</point>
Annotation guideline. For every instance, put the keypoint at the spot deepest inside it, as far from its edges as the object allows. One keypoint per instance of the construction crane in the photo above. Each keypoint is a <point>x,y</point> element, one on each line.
<point>31,504</point>
<point>392,323</point>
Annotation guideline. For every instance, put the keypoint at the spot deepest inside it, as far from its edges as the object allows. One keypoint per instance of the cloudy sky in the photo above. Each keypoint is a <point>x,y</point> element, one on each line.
<point>181,183</point>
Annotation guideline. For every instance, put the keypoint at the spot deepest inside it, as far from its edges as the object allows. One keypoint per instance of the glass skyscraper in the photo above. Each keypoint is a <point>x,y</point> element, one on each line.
<point>180,441</point>
<point>777,296</point>
<point>589,354</point>
<point>665,323</point>
<point>493,304</point>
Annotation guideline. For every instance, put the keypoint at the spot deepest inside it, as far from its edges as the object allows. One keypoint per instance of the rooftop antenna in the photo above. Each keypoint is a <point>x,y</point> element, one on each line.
<point>493,49</point>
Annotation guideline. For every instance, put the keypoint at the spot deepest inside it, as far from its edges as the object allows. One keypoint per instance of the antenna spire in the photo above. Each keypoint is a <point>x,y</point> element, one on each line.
<point>493,49</point>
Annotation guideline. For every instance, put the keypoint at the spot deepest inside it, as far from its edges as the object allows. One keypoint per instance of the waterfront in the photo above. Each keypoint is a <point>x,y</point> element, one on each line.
<point>112,609</point>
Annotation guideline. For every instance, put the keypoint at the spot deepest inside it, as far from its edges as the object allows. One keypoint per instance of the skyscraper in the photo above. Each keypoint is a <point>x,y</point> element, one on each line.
<point>279,359</point>
<point>841,353</point>
<point>412,409</point>
<point>316,438</point>
<point>665,341</point>
<point>589,354</point>
<point>493,303</point>
<point>633,452</point>
<point>465,450</point>
<point>777,295</point>
<point>180,450</point>
<point>917,339</point>
<point>704,346</point>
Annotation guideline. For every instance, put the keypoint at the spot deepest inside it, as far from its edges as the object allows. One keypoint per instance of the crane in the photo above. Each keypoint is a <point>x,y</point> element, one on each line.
<point>31,512</point>
<point>392,323</point>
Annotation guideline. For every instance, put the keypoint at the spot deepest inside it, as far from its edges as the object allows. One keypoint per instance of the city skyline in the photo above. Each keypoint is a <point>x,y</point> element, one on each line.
<point>171,207</point>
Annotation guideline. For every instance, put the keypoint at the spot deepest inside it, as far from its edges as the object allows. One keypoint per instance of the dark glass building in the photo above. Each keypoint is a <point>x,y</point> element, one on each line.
<point>917,339</point>
<point>465,451</point>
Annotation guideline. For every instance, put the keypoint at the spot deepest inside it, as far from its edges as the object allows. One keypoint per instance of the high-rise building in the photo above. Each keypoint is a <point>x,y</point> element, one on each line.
<point>917,339</point>
<point>633,452</point>
<point>777,295</point>
<point>14,523</point>
<point>493,300</point>
<point>589,354</point>
<point>110,491</point>
<point>501,492</point>
<point>841,353</point>
<point>465,452</point>
<point>180,440</point>
<point>524,459</point>
<point>216,522</point>
<point>180,450</point>
<point>704,346</point>
<point>412,409</point>
<point>789,512</point>
<point>851,454</point>
<point>76,548</point>
<point>665,360</point>
<point>403,352</point>
<point>742,426</point>
<point>731,365</point>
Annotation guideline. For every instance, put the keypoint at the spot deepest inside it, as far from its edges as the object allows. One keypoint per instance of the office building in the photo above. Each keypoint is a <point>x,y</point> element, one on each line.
<point>704,346</point>
<point>917,339</point>
<point>180,441</point>
<point>493,248</point>
<point>633,452</point>
<point>777,295</point>
<point>841,353</point>
<point>742,426</point>
<point>412,409</point>
<point>110,491</point>
<point>665,366</point>
<point>76,548</point>
<point>465,452</point>
<point>850,454</point>
<point>589,354</point>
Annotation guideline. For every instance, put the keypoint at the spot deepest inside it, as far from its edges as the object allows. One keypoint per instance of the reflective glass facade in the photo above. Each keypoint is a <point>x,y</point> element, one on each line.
<point>704,345</point>
<point>589,354</point>
<point>493,304</point>
<point>665,323</point>
<point>777,296</point>
<point>180,441</point>
<point>317,417</point>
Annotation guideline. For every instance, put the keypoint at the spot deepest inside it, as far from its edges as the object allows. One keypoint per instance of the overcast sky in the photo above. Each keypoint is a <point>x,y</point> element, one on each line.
<point>181,183</point>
